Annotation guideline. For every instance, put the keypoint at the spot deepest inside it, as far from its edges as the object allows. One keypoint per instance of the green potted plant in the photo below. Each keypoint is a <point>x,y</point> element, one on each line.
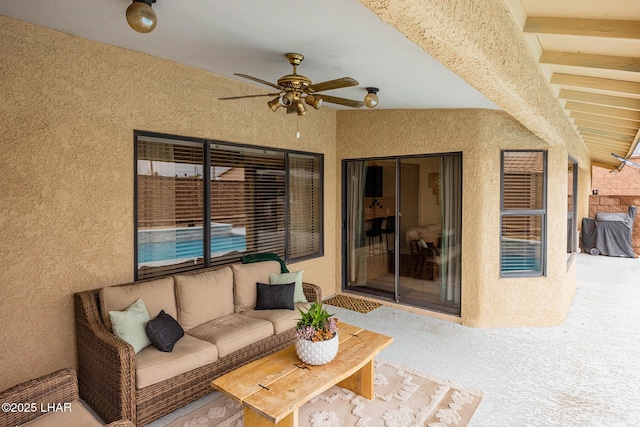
<point>317,335</point>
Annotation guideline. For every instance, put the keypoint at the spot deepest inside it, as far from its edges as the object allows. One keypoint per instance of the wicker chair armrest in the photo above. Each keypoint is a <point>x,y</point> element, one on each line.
<point>121,423</point>
<point>312,292</point>
<point>57,387</point>
<point>106,363</point>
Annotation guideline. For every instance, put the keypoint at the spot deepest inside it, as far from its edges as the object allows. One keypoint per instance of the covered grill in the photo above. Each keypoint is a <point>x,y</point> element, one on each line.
<point>609,234</point>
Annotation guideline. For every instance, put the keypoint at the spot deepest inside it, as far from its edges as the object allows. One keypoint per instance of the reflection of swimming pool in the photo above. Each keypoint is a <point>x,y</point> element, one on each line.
<point>520,256</point>
<point>186,243</point>
<point>162,251</point>
<point>520,263</point>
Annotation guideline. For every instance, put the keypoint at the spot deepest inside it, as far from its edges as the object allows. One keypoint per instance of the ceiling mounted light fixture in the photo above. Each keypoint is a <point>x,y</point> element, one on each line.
<point>274,104</point>
<point>314,101</point>
<point>287,99</point>
<point>296,90</point>
<point>141,17</point>
<point>371,98</point>
<point>300,108</point>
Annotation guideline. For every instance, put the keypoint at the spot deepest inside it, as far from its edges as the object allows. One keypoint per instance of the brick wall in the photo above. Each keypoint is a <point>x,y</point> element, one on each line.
<point>626,182</point>
<point>614,203</point>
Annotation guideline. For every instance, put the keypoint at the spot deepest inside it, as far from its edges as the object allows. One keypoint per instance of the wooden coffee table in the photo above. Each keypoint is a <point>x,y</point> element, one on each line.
<point>272,389</point>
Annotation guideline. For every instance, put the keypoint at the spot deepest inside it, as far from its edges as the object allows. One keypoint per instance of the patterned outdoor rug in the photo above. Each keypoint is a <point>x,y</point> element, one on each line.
<point>350,303</point>
<point>404,397</point>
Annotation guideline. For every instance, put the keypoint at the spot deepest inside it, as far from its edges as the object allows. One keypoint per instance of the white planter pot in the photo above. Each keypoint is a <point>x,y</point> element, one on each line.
<point>317,353</point>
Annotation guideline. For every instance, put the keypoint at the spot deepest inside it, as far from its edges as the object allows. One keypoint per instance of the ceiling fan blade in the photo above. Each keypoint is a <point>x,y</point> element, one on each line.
<point>332,84</point>
<point>248,96</point>
<point>255,79</point>
<point>341,101</point>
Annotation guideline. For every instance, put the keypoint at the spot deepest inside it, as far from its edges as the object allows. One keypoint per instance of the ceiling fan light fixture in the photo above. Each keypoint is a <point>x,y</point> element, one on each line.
<point>371,98</point>
<point>314,101</point>
<point>287,99</point>
<point>274,104</point>
<point>300,108</point>
<point>297,90</point>
<point>141,17</point>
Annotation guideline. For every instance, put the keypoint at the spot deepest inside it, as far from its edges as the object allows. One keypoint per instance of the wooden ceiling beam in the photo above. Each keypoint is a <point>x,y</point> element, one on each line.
<point>606,154</point>
<point>602,126</point>
<point>631,124</point>
<point>621,147</point>
<point>596,83</point>
<point>602,110</point>
<point>604,165</point>
<point>618,139</point>
<point>633,147</point>
<point>595,98</point>
<point>604,136</point>
<point>606,145</point>
<point>583,27</point>
<point>587,60</point>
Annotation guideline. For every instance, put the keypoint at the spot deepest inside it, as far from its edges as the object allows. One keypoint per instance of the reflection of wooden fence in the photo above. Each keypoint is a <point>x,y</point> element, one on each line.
<point>177,202</point>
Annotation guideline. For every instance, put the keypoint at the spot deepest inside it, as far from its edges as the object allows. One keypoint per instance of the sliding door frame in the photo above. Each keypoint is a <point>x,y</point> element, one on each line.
<point>456,311</point>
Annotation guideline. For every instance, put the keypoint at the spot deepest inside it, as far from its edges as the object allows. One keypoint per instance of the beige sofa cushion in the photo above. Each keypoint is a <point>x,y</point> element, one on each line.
<point>74,416</point>
<point>282,320</point>
<point>233,332</point>
<point>245,277</point>
<point>204,296</point>
<point>156,294</point>
<point>153,365</point>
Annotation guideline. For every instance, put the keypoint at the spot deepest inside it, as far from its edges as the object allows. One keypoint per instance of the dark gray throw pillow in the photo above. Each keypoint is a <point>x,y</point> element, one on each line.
<point>274,297</point>
<point>164,331</point>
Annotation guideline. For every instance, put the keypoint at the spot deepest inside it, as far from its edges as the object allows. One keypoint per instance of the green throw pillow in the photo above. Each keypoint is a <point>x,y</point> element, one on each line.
<point>130,325</point>
<point>284,278</point>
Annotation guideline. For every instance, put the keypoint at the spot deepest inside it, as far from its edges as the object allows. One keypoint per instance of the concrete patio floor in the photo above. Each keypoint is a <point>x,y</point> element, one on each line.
<point>585,372</point>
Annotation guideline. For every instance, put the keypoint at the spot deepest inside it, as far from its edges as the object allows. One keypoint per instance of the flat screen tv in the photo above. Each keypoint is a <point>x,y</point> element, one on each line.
<point>373,184</point>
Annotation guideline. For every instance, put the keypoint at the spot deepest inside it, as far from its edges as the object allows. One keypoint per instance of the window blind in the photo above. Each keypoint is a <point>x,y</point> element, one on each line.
<point>169,206</point>
<point>248,193</point>
<point>523,212</point>
<point>304,199</point>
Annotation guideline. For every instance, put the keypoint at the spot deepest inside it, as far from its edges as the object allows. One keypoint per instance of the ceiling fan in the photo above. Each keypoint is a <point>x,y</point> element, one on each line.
<point>294,90</point>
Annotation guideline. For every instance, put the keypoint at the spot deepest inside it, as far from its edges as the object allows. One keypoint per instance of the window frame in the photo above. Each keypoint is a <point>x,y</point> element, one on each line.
<point>542,213</point>
<point>573,236</point>
<point>206,194</point>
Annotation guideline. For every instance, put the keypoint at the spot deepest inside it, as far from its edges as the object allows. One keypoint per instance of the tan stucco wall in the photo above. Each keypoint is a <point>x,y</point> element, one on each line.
<point>487,300</point>
<point>68,108</point>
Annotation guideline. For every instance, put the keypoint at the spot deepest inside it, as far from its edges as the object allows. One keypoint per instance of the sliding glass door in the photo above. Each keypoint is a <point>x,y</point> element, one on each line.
<point>370,208</point>
<point>402,229</point>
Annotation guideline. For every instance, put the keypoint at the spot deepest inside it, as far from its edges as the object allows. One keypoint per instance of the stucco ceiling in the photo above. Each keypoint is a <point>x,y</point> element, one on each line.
<point>589,52</point>
<point>591,60</point>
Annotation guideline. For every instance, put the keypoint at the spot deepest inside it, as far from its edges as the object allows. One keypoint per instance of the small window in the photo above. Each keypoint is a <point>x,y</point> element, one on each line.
<point>256,199</point>
<point>523,213</point>
<point>572,211</point>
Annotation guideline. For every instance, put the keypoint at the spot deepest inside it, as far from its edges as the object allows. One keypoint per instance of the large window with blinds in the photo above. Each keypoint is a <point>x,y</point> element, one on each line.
<point>523,213</point>
<point>201,203</point>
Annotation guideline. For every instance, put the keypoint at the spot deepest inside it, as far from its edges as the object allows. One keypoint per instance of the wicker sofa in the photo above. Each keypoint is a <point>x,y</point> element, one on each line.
<point>49,400</point>
<point>216,309</point>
